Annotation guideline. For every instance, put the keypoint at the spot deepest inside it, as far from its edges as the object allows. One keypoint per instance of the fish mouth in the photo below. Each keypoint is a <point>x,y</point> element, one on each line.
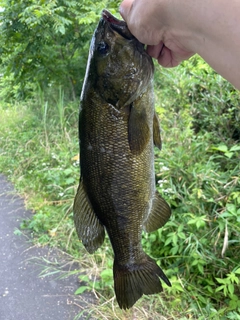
<point>117,25</point>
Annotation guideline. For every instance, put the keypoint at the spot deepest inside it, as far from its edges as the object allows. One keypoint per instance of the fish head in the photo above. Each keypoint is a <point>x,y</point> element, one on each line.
<point>120,68</point>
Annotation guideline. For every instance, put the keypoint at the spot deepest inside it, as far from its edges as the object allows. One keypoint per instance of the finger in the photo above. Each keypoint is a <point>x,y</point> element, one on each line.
<point>125,8</point>
<point>167,58</point>
<point>155,50</point>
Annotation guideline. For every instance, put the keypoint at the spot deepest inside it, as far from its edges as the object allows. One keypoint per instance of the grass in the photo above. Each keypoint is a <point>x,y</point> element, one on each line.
<point>196,173</point>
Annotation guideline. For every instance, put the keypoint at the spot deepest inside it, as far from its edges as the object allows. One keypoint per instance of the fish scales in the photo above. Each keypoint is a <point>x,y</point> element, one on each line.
<point>118,129</point>
<point>120,190</point>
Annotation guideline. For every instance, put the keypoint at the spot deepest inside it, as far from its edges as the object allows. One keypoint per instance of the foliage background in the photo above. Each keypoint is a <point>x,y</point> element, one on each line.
<point>43,53</point>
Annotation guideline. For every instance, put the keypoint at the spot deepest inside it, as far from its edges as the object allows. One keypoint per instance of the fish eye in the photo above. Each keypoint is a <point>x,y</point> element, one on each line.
<point>103,48</point>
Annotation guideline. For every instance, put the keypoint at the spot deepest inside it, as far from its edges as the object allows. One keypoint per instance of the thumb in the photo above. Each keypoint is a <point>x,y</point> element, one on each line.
<point>125,9</point>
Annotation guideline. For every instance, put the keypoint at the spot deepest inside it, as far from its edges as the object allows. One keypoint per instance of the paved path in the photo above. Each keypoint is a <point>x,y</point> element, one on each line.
<point>23,294</point>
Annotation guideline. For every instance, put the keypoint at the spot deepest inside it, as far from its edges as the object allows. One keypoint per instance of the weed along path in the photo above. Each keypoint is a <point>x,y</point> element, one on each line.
<point>23,294</point>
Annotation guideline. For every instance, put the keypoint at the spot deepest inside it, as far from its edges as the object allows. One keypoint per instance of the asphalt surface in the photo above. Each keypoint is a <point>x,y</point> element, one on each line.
<point>24,295</point>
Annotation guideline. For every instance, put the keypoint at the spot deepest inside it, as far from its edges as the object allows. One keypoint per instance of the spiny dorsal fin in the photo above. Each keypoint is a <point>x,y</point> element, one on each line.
<point>156,132</point>
<point>159,214</point>
<point>138,130</point>
<point>89,228</point>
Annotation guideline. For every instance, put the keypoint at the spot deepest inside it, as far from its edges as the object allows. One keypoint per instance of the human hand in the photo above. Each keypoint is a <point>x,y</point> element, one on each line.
<point>158,25</point>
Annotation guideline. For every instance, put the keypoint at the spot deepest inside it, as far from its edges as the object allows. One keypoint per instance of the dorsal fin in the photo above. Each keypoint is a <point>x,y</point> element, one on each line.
<point>157,132</point>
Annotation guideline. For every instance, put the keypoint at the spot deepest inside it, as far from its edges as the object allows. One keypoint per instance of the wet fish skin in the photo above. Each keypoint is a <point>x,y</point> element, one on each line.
<point>118,128</point>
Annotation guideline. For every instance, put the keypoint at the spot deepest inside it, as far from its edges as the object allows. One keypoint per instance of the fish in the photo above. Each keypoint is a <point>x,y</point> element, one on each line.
<point>118,129</point>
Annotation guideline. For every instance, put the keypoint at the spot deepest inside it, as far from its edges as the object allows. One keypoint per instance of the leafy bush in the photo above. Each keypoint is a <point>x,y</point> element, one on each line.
<point>198,172</point>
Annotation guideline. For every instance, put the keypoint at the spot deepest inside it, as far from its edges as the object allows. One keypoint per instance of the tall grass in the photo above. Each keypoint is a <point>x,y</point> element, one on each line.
<point>197,172</point>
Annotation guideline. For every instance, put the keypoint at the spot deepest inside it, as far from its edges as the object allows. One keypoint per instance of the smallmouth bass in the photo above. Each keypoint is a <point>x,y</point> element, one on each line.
<point>118,129</point>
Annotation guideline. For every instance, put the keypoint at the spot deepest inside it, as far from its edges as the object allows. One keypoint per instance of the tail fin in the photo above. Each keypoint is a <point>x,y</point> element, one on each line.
<point>132,281</point>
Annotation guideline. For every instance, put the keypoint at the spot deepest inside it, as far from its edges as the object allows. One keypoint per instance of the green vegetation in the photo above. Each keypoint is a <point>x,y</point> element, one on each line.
<point>198,171</point>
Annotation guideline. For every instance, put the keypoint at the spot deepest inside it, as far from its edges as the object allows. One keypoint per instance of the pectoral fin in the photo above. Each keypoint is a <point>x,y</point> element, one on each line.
<point>89,228</point>
<point>159,214</point>
<point>156,132</point>
<point>138,130</point>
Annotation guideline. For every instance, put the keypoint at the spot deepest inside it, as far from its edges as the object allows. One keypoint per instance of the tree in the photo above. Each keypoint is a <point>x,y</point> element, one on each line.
<point>46,43</point>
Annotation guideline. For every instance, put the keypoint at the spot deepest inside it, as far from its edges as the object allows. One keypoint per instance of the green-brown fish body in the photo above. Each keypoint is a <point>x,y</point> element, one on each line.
<point>118,128</point>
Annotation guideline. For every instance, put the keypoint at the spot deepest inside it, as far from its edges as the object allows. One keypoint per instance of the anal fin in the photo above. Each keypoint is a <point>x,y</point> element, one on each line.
<point>89,228</point>
<point>159,214</point>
